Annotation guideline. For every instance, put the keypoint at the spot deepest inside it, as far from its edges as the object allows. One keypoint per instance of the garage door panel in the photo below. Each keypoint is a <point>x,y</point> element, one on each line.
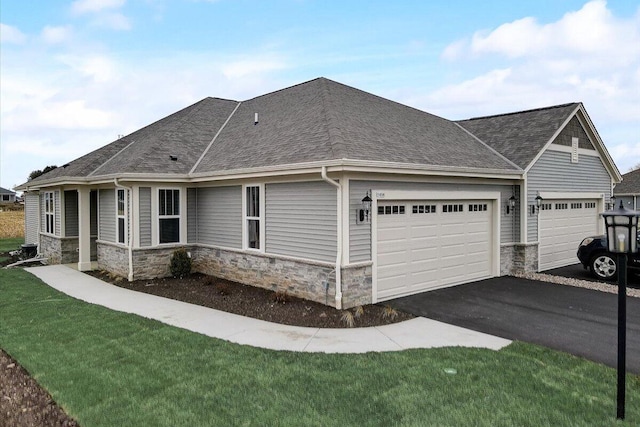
<point>562,230</point>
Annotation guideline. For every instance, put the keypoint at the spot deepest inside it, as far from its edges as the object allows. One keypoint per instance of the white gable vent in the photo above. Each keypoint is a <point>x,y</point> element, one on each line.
<point>255,119</point>
<point>574,150</point>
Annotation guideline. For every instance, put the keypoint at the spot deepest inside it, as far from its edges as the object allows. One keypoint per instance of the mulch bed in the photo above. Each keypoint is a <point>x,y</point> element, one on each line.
<point>259,303</point>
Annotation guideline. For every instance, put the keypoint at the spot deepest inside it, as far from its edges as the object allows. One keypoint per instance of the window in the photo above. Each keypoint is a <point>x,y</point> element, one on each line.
<point>590,205</point>
<point>576,205</point>
<point>49,213</point>
<point>423,209</point>
<point>391,210</point>
<point>169,216</point>
<point>452,208</point>
<point>545,207</point>
<point>121,215</point>
<point>561,206</point>
<point>478,207</point>
<point>6,197</point>
<point>252,217</point>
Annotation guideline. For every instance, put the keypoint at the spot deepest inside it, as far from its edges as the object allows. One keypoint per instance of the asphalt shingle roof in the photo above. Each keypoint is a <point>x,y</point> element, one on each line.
<point>630,183</point>
<point>521,135</point>
<point>320,120</point>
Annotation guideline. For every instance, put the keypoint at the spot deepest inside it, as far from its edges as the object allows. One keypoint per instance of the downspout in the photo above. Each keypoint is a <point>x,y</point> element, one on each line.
<point>131,234</point>
<point>339,238</point>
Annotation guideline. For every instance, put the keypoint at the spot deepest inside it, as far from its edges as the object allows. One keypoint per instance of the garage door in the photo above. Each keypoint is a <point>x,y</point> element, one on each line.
<point>563,225</point>
<point>424,245</point>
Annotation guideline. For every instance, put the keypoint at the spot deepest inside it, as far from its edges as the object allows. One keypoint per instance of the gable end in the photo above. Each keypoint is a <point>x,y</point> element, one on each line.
<point>574,129</point>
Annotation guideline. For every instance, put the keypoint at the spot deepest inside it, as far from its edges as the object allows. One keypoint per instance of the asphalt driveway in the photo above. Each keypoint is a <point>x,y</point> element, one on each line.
<point>579,321</point>
<point>577,271</point>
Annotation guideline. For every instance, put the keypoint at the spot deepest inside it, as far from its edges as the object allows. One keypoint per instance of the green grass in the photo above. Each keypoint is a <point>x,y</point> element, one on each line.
<point>114,369</point>
<point>7,245</point>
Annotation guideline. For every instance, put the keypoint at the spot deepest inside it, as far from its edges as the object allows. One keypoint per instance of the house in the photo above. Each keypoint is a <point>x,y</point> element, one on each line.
<point>628,191</point>
<point>330,193</point>
<point>7,196</point>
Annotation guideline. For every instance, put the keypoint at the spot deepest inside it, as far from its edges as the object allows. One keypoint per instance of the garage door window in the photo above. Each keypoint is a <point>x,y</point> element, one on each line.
<point>545,207</point>
<point>576,205</point>
<point>590,205</point>
<point>423,209</point>
<point>391,210</point>
<point>561,206</point>
<point>478,207</point>
<point>452,208</point>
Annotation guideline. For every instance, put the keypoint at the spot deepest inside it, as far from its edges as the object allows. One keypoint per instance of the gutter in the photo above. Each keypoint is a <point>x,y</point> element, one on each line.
<point>339,237</point>
<point>131,234</point>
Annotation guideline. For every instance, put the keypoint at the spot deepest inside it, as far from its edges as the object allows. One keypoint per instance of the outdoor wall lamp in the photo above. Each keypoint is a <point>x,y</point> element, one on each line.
<point>364,214</point>
<point>612,202</point>
<point>622,239</point>
<point>536,208</point>
<point>512,204</point>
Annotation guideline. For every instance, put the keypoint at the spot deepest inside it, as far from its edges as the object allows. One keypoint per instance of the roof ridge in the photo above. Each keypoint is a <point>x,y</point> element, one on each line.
<point>204,153</point>
<point>519,112</point>
<point>336,141</point>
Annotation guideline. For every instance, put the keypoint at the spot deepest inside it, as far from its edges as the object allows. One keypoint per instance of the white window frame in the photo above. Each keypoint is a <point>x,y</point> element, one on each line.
<point>260,218</point>
<point>49,212</point>
<point>172,216</point>
<point>124,216</point>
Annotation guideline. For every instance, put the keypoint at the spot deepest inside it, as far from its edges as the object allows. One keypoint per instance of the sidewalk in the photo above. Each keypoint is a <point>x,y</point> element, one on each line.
<point>415,333</point>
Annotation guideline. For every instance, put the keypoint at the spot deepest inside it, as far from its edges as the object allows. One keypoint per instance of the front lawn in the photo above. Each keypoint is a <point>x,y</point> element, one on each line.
<point>114,369</point>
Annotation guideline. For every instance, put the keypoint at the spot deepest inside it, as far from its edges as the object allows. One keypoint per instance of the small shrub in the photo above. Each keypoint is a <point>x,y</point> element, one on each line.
<point>358,312</point>
<point>348,319</point>
<point>389,312</point>
<point>180,263</point>
<point>281,297</point>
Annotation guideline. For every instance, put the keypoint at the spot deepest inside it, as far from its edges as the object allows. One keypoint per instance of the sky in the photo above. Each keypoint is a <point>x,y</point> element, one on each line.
<point>76,74</point>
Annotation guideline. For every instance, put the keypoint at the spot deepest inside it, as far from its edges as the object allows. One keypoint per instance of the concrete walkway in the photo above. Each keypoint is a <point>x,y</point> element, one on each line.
<point>415,333</point>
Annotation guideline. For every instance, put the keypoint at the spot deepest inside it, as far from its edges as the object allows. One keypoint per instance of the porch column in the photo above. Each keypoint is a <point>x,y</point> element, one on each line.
<point>84,229</point>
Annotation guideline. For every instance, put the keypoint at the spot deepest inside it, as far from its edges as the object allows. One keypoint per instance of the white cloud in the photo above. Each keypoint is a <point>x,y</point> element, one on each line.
<point>54,35</point>
<point>10,34</point>
<point>80,7</point>
<point>113,21</point>
<point>244,67</point>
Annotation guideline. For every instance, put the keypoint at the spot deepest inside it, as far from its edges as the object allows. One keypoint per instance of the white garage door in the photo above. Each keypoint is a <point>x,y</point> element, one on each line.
<point>563,225</point>
<point>423,245</point>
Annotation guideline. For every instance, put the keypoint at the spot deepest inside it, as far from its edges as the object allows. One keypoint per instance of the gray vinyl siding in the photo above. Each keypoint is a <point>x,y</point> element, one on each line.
<point>301,220</point>
<point>219,216</point>
<point>71,213</point>
<point>192,215</point>
<point>629,202</point>
<point>360,234</point>
<point>555,172</point>
<point>144,207</point>
<point>107,215</point>
<point>31,217</point>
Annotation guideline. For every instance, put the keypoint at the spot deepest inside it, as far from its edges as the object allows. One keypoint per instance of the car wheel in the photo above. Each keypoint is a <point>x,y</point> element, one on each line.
<point>604,267</point>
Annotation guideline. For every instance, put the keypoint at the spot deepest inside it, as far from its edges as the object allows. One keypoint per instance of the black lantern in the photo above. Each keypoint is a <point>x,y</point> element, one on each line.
<point>622,231</point>
<point>363,215</point>
<point>612,202</point>
<point>536,208</point>
<point>512,204</point>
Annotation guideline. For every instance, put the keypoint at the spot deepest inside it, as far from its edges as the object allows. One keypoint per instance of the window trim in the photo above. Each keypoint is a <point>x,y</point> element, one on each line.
<point>125,216</point>
<point>50,201</point>
<point>159,217</point>
<point>260,218</point>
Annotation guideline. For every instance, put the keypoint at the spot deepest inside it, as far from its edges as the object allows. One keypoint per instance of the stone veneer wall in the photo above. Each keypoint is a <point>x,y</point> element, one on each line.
<point>59,250</point>
<point>298,278</point>
<point>113,258</point>
<point>152,263</point>
<point>518,258</point>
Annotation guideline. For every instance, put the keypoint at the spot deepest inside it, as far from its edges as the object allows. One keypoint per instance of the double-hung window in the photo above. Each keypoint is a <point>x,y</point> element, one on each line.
<point>121,215</point>
<point>253,217</point>
<point>169,215</point>
<point>49,213</point>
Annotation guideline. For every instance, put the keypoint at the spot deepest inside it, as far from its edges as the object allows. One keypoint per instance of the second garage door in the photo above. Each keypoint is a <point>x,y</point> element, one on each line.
<point>428,244</point>
<point>563,225</point>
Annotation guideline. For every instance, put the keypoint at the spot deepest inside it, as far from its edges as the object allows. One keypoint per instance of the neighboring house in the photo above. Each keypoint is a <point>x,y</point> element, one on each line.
<point>272,192</point>
<point>7,195</point>
<point>628,191</point>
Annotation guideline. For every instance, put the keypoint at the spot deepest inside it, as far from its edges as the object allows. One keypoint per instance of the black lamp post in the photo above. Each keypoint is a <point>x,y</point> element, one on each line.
<point>622,229</point>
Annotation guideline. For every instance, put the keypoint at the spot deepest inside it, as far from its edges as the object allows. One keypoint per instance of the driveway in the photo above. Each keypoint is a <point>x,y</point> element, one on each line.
<point>579,321</point>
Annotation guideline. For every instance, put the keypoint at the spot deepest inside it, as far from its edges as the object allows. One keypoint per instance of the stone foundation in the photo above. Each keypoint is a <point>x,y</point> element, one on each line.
<point>113,259</point>
<point>59,250</point>
<point>357,286</point>
<point>152,263</point>
<point>518,258</point>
